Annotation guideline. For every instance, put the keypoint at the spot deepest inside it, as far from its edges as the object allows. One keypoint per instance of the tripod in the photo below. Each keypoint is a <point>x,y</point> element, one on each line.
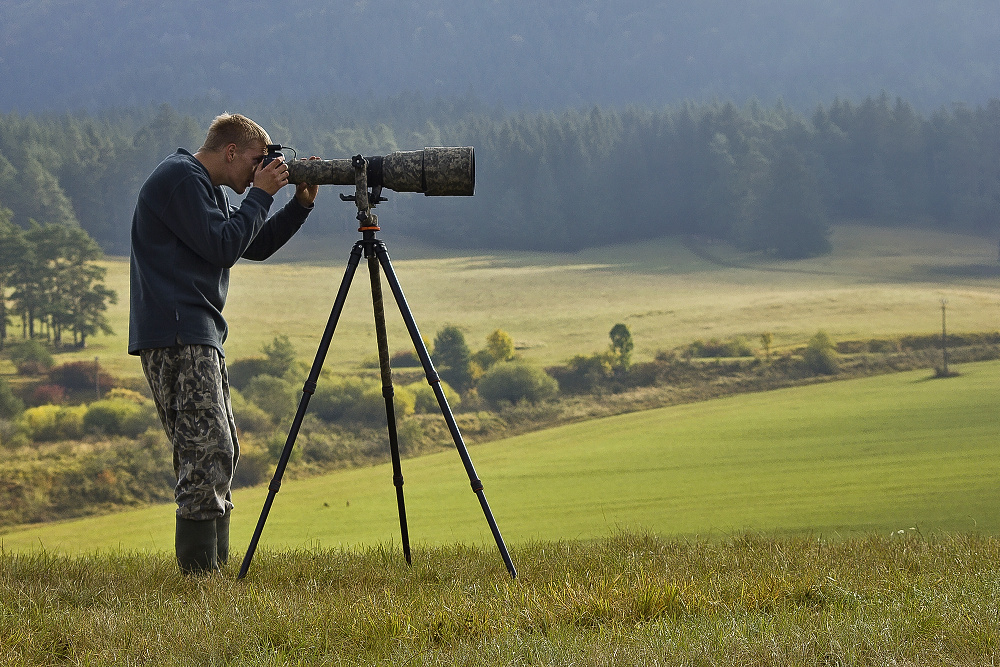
<point>374,251</point>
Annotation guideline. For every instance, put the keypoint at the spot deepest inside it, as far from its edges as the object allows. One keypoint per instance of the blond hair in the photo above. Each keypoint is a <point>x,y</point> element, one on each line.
<point>233,128</point>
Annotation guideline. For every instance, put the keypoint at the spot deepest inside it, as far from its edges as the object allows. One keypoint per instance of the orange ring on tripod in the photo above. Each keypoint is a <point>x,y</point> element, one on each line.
<point>369,229</point>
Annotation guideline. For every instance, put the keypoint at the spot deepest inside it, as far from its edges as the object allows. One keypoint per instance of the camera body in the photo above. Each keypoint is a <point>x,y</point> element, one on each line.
<point>273,152</point>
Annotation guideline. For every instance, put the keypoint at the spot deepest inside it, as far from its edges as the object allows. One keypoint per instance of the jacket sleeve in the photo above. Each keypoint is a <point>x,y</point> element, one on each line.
<point>193,214</point>
<point>277,230</point>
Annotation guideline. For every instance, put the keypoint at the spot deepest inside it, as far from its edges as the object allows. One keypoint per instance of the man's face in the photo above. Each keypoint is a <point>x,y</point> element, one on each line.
<point>245,164</point>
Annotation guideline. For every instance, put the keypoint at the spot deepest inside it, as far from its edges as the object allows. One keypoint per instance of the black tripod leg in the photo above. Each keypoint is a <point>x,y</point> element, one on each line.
<point>307,391</point>
<point>435,382</point>
<point>387,394</point>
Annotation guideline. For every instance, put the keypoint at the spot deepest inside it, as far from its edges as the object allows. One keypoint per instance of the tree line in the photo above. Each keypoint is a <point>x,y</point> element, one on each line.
<point>766,179</point>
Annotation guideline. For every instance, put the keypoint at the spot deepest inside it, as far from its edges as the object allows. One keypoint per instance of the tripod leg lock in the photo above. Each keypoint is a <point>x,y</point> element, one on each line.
<point>387,391</point>
<point>477,485</point>
<point>397,480</point>
<point>309,387</point>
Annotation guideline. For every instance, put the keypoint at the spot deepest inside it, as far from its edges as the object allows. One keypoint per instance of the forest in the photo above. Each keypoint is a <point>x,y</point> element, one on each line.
<point>764,178</point>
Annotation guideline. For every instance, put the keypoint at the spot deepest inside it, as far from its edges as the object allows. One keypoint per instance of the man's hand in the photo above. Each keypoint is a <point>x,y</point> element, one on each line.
<point>305,193</point>
<point>273,177</point>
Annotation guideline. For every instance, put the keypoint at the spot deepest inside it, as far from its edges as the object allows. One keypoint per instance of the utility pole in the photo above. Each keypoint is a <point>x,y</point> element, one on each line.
<point>944,338</point>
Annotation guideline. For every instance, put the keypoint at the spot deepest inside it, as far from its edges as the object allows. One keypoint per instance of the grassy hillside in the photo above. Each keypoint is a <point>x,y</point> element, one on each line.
<point>884,454</point>
<point>876,283</point>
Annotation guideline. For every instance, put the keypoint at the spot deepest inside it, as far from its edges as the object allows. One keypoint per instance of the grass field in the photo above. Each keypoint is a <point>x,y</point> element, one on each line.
<point>877,282</point>
<point>626,600</point>
<point>883,454</point>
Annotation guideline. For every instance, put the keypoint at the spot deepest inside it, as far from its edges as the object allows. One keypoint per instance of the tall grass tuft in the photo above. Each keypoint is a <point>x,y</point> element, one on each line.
<point>629,599</point>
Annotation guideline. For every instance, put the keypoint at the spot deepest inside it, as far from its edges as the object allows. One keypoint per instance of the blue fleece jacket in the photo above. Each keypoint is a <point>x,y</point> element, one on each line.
<point>185,238</point>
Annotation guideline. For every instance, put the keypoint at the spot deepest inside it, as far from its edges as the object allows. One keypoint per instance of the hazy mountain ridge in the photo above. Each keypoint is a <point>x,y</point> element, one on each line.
<point>63,55</point>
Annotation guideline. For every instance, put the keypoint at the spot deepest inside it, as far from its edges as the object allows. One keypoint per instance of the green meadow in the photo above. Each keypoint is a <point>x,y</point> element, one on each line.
<point>876,283</point>
<point>877,455</point>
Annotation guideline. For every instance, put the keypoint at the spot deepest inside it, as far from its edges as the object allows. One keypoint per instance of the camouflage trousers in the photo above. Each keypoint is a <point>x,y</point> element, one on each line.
<point>190,387</point>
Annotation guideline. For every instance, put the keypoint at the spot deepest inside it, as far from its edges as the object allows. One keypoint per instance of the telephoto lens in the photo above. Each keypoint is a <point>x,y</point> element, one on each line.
<point>436,172</point>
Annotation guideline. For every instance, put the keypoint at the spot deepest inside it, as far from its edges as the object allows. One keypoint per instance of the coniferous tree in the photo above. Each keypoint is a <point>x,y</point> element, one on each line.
<point>453,354</point>
<point>12,248</point>
<point>621,347</point>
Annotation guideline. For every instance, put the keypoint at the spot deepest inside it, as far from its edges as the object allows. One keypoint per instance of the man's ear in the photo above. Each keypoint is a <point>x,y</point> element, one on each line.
<point>231,151</point>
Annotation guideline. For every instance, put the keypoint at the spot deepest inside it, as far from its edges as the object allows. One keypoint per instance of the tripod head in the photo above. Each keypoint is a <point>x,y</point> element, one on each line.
<point>364,199</point>
<point>433,171</point>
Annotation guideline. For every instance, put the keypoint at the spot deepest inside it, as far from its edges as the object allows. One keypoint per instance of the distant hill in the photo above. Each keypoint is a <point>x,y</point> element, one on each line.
<point>65,54</point>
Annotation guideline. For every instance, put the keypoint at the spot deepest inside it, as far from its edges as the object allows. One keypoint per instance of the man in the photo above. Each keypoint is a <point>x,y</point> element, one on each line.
<point>185,238</point>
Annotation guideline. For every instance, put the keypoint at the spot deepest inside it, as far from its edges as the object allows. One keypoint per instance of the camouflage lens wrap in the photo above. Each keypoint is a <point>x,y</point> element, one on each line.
<point>435,171</point>
<point>190,387</point>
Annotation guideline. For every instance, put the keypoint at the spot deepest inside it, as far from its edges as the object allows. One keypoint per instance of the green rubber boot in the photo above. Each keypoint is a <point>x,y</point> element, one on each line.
<point>196,544</point>
<point>222,538</point>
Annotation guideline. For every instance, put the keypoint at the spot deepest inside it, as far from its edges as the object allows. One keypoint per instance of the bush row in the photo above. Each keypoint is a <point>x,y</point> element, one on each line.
<point>917,342</point>
<point>122,472</point>
<point>122,413</point>
<point>266,401</point>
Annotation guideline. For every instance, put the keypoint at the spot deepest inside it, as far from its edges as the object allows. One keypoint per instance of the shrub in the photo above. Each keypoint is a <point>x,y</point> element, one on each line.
<point>515,381</point>
<point>274,395</point>
<point>426,401</point>
<point>48,423</point>
<point>820,355</point>
<point>359,401</point>
<point>646,373</point>
<point>48,394</point>
<point>499,348</point>
<point>241,371</point>
<point>369,409</point>
<point>714,348</point>
<point>119,416</point>
<point>411,436</point>
<point>254,466</point>
<point>81,375</point>
<point>884,346</point>
<point>249,416</point>
<point>30,357</point>
<point>583,373</point>
<point>280,356</point>
<point>322,447</point>
<point>333,398</point>
<point>278,360</point>
<point>405,359</point>
<point>10,405</point>
<point>127,395</point>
